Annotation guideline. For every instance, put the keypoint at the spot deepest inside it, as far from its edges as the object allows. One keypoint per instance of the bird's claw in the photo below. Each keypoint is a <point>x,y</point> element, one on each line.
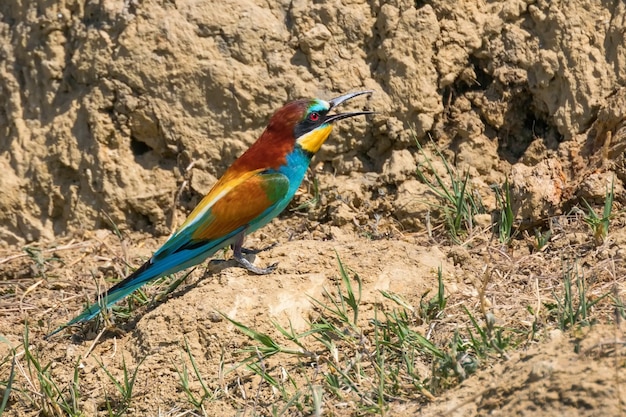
<point>255,269</point>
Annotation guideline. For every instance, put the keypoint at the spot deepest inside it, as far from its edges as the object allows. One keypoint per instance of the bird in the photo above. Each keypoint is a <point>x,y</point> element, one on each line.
<point>252,191</point>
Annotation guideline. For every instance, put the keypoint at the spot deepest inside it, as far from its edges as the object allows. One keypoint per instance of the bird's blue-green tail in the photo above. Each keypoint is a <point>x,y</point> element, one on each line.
<point>165,261</point>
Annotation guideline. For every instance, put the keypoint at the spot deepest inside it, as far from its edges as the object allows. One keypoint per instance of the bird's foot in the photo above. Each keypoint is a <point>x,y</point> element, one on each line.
<point>238,255</point>
<point>255,269</point>
<point>247,251</point>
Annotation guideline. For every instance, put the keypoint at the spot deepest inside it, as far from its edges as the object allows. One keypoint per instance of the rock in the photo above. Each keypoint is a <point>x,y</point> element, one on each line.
<point>595,186</point>
<point>400,165</point>
<point>414,204</point>
<point>536,192</point>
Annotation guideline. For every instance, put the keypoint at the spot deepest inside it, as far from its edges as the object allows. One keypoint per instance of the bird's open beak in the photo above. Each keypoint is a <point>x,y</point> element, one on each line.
<point>312,141</point>
<point>337,101</point>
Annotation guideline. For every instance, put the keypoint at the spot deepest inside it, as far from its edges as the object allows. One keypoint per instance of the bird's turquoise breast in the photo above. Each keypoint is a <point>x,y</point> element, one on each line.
<point>295,169</point>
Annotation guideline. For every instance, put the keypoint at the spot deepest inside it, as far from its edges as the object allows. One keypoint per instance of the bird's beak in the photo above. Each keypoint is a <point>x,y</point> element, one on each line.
<point>337,101</point>
<point>312,141</point>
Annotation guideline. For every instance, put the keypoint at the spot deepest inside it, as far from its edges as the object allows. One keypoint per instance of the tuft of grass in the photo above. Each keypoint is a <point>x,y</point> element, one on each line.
<point>506,218</point>
<point>43,392</point>
<point>488,338</point>
<point>344,306</point>
<point>268,346</point>
<point>401,347</point>
<point>185,381</point>
<point>283,382</point>
<point>457,201</point>
<point>124,387</point>
<point>600,224</point>
<point>433,308</point>
<point>542,239</point>
<point>465,352</point>
<point>574,308</point>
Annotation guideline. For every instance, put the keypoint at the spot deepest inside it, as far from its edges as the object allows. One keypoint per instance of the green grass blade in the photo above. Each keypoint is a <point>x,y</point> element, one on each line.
<point>9,385</point>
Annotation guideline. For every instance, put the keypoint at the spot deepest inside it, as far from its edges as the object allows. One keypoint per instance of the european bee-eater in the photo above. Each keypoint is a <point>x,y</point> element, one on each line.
<point>252,191</point>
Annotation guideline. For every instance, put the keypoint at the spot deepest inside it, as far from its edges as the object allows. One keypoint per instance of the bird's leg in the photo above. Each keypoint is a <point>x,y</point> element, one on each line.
<point>237,254</point>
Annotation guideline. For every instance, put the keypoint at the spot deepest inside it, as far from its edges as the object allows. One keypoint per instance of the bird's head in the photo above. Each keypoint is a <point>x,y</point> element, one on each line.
<point>315,121</point>
<point>303,123</point>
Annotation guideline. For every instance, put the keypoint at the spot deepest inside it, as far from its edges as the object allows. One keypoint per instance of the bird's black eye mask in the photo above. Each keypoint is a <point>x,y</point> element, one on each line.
<point>313,120</point>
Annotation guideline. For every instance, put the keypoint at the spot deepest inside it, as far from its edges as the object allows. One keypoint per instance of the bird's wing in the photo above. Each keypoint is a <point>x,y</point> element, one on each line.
<point>227,210</point>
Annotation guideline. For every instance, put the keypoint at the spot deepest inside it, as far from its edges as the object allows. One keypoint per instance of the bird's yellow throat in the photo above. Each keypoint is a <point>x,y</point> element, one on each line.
<point>313,141</point>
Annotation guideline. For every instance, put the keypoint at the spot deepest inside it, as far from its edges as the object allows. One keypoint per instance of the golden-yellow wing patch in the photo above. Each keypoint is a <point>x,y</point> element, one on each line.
<point>241,205</point>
